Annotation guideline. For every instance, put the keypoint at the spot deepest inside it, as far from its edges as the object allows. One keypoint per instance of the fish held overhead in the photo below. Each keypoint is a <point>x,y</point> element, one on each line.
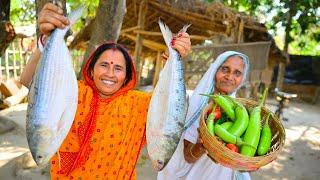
<point>52,97</point>
<point>168,107</point>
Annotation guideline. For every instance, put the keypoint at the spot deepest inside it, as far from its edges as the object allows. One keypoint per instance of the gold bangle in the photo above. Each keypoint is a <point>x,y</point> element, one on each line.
<point>190,150</point>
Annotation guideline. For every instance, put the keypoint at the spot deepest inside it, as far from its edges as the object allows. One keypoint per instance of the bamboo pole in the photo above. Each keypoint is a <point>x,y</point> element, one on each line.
<point>138,41</point>
<point>129,29</point>
<point>147,43</point>
<point>157,69</point>
<point>152,33</point>
<point>231,45</point>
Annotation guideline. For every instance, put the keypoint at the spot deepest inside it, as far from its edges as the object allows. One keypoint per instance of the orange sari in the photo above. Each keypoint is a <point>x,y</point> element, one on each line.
<point>106,137</point>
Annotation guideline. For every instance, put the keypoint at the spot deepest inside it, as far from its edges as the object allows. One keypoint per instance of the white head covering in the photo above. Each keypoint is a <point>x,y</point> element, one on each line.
<point>207,84</point>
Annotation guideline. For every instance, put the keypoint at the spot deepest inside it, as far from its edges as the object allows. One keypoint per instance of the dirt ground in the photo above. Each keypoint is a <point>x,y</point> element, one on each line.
<point>300,158</point>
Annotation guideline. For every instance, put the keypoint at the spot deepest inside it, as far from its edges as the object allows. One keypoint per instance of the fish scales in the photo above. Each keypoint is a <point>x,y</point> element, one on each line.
<point>52,97</point>
<point>168,107</point>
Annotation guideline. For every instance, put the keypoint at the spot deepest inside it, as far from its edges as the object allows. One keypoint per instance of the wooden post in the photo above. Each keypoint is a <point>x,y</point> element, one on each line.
<point>240,32</point>
<point>139,38</point>
<point>6,61</point>
<point>14,60</point>
<point>281,72</point>
<point>21,57</point>
<point>157,69</point>
<point>1,68</point>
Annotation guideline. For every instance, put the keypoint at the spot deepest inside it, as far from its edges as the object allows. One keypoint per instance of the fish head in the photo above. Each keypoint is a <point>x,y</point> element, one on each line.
<point>158,165</point>
<point>161,156</point>
<point>41,143</point>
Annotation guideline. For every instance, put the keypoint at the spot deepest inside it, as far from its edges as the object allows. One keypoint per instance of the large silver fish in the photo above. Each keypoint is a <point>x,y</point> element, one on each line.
<point>52,97</point>
<point>168,107</point>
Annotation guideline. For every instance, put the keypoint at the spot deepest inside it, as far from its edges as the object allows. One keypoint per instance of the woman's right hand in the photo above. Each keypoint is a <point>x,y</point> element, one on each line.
<point>51,17</point>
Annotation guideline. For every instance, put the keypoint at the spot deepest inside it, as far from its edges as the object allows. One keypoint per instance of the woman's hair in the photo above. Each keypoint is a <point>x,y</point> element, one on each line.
<point>114,46</point>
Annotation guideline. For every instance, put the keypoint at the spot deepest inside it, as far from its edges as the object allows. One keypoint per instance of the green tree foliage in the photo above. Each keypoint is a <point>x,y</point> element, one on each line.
<point>303,16</point>
<point>22,12</point>
<point>90,13</point>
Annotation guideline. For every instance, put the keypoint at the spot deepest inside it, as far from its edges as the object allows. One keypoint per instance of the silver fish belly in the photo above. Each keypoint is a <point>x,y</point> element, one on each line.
<point>52,97</point>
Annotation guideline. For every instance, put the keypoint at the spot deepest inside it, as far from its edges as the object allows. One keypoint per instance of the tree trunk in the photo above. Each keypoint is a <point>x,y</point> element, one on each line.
<point>282,65</point>
<point>7,32</point>
<point>107,25</point>
<point>4,10</point>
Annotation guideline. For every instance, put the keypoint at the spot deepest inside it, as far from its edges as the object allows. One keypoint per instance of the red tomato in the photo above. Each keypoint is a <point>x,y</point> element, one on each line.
<point>217,113</point>
<point>232,147</point>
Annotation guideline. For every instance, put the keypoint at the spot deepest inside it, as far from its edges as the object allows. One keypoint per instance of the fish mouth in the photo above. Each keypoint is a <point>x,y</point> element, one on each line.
<point>41,160</point>
<point>158,165</point>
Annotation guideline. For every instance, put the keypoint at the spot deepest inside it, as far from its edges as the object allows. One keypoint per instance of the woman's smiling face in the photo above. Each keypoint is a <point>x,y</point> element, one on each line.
<point>109,72</point>
<point>229,76</point>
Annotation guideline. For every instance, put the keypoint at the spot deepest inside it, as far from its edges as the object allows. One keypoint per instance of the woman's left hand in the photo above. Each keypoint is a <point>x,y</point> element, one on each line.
<point>181,42</point>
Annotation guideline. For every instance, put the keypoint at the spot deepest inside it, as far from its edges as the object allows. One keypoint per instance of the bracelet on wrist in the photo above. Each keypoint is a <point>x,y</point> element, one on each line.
<point>193,156</point>
<point>41,42</point>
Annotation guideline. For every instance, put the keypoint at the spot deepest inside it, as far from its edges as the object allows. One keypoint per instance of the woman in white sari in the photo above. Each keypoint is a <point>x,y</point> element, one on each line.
<point>190,162</point>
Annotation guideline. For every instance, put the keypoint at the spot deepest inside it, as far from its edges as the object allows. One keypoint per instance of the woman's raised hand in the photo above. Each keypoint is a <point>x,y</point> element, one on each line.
<point>181,42</point>
<point>51,17</point>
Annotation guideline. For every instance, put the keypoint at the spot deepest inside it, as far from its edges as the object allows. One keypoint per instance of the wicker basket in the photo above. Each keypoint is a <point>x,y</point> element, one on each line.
<point>226,157</point>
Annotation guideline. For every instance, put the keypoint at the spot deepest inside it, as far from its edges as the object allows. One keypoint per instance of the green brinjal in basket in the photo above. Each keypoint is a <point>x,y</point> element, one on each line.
<point>241,120</point>
<point>265,139</point>
<point>252,134</point>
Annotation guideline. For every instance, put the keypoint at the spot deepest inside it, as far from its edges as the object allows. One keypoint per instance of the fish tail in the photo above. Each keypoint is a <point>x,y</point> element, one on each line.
<point>167,34</point>
<point>184,28</point>
<point>75,15</point>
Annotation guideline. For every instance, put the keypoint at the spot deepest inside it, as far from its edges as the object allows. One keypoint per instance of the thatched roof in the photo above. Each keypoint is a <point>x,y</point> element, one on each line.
<point>212,21</point>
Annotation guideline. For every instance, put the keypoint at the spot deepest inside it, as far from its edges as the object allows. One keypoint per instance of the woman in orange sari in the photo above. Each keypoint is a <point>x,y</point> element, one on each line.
<point>108,131</point>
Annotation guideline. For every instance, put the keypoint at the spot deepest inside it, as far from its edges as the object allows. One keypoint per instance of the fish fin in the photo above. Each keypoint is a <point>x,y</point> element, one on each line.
<point>59,160</point>
<point>61,122</point>
<point>75,15</point>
